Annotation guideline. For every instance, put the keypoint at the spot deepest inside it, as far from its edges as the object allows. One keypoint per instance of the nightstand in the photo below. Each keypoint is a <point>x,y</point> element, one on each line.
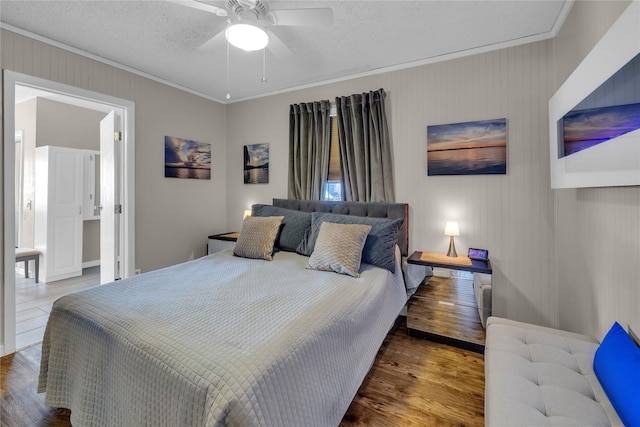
<point>219,242</point>
<point>446,309</point>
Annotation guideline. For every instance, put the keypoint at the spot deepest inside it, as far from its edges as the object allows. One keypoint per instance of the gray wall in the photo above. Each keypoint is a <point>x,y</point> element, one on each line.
<point>64,125</point>
<point>173,216</point>
<point>597,230</point>
<point>556,259</point>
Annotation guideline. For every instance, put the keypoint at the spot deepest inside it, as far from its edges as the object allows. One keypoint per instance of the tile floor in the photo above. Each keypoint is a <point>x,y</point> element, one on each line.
<point>34,302</point>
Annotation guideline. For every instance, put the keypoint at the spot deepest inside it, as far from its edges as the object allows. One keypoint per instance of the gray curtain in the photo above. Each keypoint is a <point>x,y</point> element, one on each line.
<point>365,148</point>
<point>309,145</point>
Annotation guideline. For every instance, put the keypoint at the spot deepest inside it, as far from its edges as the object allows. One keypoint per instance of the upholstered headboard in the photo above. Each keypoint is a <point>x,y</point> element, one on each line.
<point>376,210</point>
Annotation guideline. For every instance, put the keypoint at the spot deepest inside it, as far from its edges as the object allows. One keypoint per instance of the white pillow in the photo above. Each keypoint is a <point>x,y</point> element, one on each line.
<point>339,248</point>
<point>257,237</point>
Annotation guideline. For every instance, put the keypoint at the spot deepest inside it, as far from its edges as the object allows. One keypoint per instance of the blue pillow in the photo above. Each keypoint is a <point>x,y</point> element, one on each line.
<point>379,248</point>
<point>617,366</point>
<point>294,225</point>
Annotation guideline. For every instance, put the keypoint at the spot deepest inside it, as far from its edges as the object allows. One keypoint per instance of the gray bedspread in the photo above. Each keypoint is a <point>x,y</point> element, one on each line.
<point>220,340</point>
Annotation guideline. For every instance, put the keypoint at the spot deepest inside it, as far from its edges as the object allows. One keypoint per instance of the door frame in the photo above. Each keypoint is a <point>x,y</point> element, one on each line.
<point>127,257</point>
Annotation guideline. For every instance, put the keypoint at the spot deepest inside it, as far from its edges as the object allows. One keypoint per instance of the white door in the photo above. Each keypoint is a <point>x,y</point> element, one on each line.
<point>109,200</point>
<point>19,173</point>
<point>58,222</point>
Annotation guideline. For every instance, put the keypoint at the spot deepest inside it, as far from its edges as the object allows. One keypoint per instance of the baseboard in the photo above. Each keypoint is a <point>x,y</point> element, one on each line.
<point>91,264</point>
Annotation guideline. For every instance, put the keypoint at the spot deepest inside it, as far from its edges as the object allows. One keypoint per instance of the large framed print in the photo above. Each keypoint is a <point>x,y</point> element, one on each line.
<point>594,118</point>
<point>469,148</point>
<point>185,158</point>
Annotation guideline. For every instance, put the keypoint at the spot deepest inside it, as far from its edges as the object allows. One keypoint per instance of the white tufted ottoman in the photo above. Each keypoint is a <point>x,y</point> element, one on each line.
<point>538,376</point>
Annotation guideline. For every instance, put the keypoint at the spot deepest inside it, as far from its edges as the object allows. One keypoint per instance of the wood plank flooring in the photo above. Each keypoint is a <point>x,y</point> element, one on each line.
<point>413,382</point>
<point>34,302</point>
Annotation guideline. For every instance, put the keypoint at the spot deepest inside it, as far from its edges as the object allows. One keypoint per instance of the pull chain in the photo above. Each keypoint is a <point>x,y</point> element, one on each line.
<point>228,96</point>
<point>264,66</point>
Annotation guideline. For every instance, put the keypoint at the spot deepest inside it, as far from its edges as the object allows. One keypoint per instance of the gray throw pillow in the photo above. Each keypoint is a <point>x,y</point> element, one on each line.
<point>339,248</point>
<point>257,237</point>
<point>294,225</point>
<point>379,249</point>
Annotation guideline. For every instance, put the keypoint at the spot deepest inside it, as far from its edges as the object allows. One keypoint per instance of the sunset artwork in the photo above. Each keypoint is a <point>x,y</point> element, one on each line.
<point>471,148</point>
<point>583,129</point>
<point>184,158</point>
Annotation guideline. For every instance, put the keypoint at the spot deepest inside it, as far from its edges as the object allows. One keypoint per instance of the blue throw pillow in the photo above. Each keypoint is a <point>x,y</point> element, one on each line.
<point>379,249</point>
<point>617,366</point>
<point>294,225</point>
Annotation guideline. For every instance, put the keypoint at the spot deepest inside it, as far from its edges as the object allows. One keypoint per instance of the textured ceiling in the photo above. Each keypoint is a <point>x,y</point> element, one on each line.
<point>165,39</point>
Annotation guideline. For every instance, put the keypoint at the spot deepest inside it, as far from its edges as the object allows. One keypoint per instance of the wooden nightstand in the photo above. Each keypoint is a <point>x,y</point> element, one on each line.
<point>446,309</point>
<point>218,242</point>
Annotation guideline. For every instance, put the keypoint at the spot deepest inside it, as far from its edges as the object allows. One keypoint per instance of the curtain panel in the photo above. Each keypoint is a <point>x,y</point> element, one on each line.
<point>365,148</point>
<point>309,147</point>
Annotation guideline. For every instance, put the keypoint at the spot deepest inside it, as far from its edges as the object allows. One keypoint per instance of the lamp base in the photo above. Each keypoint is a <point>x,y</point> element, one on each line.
<point>452,248</point>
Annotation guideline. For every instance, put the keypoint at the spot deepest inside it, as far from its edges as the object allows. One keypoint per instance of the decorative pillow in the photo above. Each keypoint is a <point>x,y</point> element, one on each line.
<point>294,225</point>
<point>617,366</point>
<point>379,249</point>
<point>257,237</point>
<point>339,248</point>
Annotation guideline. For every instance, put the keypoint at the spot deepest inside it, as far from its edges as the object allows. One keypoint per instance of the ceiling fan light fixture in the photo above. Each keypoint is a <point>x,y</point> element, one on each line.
<point>247,37</point>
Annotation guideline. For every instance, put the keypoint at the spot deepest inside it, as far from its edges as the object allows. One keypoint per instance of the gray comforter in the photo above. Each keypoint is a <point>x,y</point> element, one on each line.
<point>220,340</point>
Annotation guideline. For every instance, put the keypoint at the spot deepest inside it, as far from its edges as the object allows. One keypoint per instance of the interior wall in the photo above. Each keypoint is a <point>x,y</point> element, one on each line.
<point>173,216</point>
<point>597,229</point>
<point>510,215</point>
<point>64,125</point>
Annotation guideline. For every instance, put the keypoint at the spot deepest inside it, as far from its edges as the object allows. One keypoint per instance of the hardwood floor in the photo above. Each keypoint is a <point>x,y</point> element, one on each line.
<point>413,382</point>
<point>34,302</point>
<point>416,382</point>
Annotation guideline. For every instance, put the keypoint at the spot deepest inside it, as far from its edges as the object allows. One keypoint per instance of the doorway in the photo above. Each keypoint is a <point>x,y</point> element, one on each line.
<point>122,173</point>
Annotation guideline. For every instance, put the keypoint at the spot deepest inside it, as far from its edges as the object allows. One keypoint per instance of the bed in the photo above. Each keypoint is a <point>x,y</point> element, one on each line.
<point>225,339</point>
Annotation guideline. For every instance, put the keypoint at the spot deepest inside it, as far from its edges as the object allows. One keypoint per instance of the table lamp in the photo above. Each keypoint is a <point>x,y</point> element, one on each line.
<point>247,213</point>
<point>451,229</point>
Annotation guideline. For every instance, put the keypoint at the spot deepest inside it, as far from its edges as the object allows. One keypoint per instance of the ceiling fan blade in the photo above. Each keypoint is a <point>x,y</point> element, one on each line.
<point>303,17</point>
<point>277,47</point>
<point>194,4</point>
<point>217,40</point>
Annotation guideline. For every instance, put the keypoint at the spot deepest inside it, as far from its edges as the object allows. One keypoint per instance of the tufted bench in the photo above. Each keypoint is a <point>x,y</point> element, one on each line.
<point>543,377</point>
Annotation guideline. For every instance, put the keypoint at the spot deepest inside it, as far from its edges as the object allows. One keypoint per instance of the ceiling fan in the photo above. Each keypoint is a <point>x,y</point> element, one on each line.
<point>249,21</point>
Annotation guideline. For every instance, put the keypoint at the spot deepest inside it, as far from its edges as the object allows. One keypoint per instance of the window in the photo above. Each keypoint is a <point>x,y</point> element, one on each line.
<point>332,189</point>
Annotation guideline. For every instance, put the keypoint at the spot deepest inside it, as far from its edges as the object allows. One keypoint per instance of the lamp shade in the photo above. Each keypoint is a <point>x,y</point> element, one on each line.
<point>247,213</point>
<point>247,37</point>
<point>451,229</point>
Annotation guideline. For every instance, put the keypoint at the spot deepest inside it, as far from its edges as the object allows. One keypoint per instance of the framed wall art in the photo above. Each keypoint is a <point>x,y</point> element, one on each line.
<point>184,158</point>
<point>594,118</point>
<point>256,164</point>
<point>470,148</point>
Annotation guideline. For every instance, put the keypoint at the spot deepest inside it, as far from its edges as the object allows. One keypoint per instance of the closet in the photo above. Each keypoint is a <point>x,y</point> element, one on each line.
<point>65,196</point>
